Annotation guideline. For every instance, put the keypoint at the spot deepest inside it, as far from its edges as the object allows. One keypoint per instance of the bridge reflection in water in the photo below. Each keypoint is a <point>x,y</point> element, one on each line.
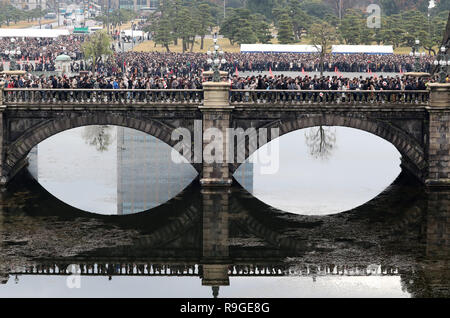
<point>216,234</point>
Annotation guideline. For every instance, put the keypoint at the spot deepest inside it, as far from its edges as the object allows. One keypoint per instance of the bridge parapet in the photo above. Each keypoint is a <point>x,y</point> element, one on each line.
<point>44,96</point>
<point>330,97</point>
<point>128,97</point>
<point>2,87</point>
<point>194,268</point>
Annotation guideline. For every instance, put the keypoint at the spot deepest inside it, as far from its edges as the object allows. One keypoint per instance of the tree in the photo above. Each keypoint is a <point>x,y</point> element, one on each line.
<point>242,27</point>
<point>97,46</point>
<point>389,7</point>
<point>263,7</point>
<point>353,29</point>
<point>321,142</point>
<point>285,32</point>
<point>405,28</point>
<point>299,19</point>
<point>316,8</point>
<point>245,33</point>
<point>392,31</point>
<point>187,32</point>
<point>10,14</point>
<point>204,20</point>
<point>163,32</point>
<point>98,136</point>
<point>262,29</point>
<point>322,36</point>
<point>117,17</point>
<point>175,11</point>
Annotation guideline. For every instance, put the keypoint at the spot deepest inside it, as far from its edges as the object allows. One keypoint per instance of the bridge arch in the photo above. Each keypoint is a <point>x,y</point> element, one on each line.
<point>412,151</point>
<point>19,149</point>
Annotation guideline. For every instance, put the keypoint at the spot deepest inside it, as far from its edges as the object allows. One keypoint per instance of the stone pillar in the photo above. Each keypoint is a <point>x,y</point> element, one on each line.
<point>439,136</point>
<point>216,111</point>
<point>215,259</point>
<point>436,270</point>
<point>438,224</point>
<point>4,276</point>
<point>3,177</point>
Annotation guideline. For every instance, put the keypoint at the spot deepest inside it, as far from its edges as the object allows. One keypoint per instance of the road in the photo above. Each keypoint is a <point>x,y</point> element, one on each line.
<point>76,20</point>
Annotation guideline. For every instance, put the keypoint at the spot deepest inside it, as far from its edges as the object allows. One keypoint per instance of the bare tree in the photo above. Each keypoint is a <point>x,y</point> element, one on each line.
<point>98,136</point>
<point>321,142</point>
<point>322,36</point>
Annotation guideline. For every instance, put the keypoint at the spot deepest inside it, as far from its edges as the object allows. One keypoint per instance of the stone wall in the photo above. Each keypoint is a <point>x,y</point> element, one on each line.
<point>439,136</point>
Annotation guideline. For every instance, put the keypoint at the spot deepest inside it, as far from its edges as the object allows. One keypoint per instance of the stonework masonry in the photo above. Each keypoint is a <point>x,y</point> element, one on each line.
<point>439,136</point>
<point>419,131</point>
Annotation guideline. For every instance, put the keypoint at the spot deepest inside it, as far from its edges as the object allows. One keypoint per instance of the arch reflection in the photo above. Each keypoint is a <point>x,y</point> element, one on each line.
<point>219,235</point>
<point>323,170</point>
<point>109,169</point>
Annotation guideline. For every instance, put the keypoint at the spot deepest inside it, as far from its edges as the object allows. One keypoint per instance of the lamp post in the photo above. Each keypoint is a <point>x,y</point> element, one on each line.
<point>215,59</point>
<point>415,52</point>
<point>443,61</point>
<point>123,50</point>
<point>132,37</point>
<point>12,54</point>
<point>122,38</point>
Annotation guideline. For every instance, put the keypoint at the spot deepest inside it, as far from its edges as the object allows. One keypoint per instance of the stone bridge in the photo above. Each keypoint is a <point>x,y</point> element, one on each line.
<point>417,123</point>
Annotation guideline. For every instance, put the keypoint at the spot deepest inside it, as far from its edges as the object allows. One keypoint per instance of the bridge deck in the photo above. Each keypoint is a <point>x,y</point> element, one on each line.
<point>35,97</point>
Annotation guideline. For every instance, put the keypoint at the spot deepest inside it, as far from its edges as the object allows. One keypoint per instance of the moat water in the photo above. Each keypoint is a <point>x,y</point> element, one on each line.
<point>338,219</point>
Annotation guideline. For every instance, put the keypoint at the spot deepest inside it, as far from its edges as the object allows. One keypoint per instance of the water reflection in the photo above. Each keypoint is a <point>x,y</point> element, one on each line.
<point>115,170</point>
<point>327,170</point>
<point>321,141</point>
<point>395,245</point>
<point>101,137</point>
<point>146,174</point>
<point>109,170</point>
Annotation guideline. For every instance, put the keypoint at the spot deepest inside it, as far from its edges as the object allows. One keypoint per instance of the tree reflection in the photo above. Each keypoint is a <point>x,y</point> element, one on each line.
<point>98,136</point>
<point>321,142</point>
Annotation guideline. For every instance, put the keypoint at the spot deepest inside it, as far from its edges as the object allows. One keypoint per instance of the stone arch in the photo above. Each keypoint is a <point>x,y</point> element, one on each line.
<point>407,145</point>
<point>19,149</point>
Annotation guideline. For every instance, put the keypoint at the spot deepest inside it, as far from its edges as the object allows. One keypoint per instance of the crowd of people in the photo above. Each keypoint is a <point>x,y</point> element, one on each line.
<point>33,49</point>
<point>305,89</point>
<point>168,70</point>
<point>240,84</point>
<point>38,55</point>
<point>90,81</point>
<point>311,62</point>
<point>186,64</point>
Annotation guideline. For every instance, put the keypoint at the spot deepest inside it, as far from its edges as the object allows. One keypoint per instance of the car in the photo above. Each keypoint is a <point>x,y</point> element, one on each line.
<point>50,15</point>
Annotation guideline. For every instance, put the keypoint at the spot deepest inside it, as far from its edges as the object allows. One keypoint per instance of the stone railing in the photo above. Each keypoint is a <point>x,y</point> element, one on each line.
<point>116,269</point>
<point>37,96</point>
<point>148,269</point>
<point>327,97</point>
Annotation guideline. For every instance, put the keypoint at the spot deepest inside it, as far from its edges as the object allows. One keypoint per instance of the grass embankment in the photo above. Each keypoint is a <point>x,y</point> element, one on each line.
<point>149,46</point>
<point>125,26</point>
<point>26,24</point>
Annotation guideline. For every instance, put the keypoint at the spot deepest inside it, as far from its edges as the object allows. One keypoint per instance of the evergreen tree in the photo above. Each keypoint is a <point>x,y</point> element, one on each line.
<point>163,32</point>
<point>285,32</point>
<point>205,21</point>
<point>242,27</point>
